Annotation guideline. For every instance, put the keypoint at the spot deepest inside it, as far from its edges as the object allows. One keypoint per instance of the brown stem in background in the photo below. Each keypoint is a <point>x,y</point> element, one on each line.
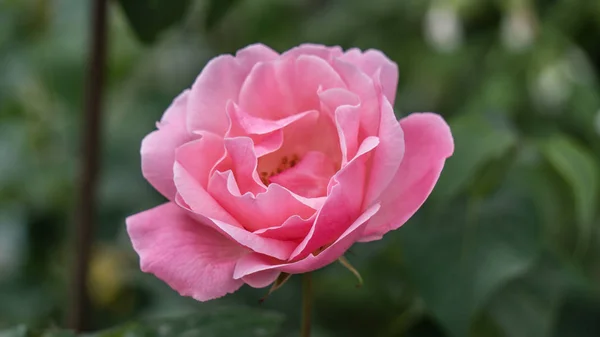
<point>79,305</point>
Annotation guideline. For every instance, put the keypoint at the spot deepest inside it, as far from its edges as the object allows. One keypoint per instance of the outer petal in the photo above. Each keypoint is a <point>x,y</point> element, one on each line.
<point>428,142</point>
<point>322,51</point>
<point>158,148</point>
<point>387,156</point>
<point>285,87</point>
<point>378,66</point>
<point>192,258</point>
<point>261,280</point>
<point>333,98</point>
<point>221,81</point>
<point>254,53</point>
<point>263,95</point>
<point>258,265</point>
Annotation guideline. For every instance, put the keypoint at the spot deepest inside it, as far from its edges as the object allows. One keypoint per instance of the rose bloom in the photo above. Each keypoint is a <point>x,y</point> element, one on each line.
<point>279,163</point>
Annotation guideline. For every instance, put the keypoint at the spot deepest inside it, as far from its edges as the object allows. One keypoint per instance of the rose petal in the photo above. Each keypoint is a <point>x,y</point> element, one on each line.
<point>310,177</point>
<point>295,228</point>
<point>252,264</point>
<point>263,95</point>
<point>275,248</point>
<point>266,134</point>
<point>428,142</point>
<point>202,206</point>
<point>192,258</point>
<point>258,126</point>
<point>333,98</point>
<point>279,89</point>
<point>158,148</point>
<point>347,123</point>
<point>322,51</point>
<point>242,161</point>
<point>263,143</point>
<point>342,206</point>
<point>306,134</point>
<point>221,81</point>
<point>262,279</point>
<point>199,157</point>
<point>312,74</point>
<point>255,53</point>
<point>267,209</point>
<point>345,108</point>
<point>368,92</point>
<point>197,198</point>
<point>387,156</point>
<point>378,66</point>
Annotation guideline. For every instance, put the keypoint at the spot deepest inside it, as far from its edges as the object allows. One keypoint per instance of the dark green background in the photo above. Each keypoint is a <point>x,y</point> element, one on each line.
<point>507,246</point>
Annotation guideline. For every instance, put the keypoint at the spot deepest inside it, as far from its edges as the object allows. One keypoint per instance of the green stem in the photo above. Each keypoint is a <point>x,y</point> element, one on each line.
<point>306,304</point>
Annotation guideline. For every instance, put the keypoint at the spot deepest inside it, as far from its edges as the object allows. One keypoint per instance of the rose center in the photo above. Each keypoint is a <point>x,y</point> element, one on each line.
<point>307,176</point>
<point>285,163</point>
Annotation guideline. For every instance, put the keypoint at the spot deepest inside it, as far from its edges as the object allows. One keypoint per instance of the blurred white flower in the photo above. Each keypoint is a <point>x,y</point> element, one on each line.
<point>518,30</point>
<point>443,28</point>
<point>581,69</point>
<point>554,84</point>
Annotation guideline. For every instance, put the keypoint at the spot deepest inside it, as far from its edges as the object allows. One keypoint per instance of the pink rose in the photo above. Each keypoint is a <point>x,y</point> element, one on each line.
<point>279,163</point>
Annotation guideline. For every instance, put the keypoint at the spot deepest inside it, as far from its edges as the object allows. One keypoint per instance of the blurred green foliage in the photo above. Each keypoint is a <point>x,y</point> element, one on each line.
<point>507,246</point>
<point>217,323</point>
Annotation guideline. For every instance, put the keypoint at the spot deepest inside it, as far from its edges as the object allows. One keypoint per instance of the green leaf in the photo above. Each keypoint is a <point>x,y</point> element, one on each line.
<point>477,142</point>
<point>528,306</point>
<point>18,331</point>
<point>23,331</point>
<point>580,170</point>
<point>216,10</point>
<point>578,317</point>
<point>459,258</point>
<point>149,18</point>
<point>57,333</point>
<point>552,202</point>
<point>224,322</point>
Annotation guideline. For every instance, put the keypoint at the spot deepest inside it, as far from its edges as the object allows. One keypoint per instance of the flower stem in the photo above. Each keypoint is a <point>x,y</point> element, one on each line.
<point>306,304</point>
